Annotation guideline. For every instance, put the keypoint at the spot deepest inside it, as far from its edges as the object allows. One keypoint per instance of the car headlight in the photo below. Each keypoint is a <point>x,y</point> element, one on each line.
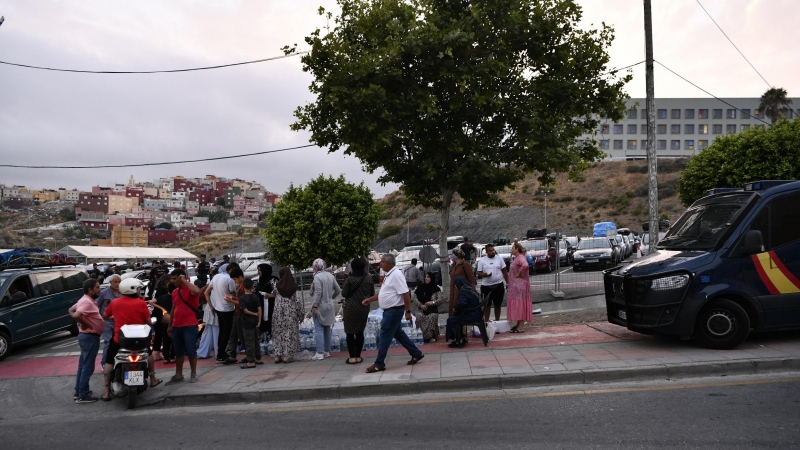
<point>606,254</point>
<point>669,283</point>
<point>541,258</point>
<point>577,256</point>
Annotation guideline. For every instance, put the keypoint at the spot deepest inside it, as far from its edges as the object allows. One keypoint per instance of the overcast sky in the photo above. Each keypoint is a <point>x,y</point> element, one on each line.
<point>62,118</point>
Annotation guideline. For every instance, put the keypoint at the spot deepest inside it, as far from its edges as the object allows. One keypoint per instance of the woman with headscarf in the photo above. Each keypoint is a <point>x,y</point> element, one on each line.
<point>266,289</point>
<point>323,291</point>
<point>520,308</point>
<point>427,298</point>
<point>357,286</point>
<point>460,268</point>
<point>468,298</point>
<point>286,319</point>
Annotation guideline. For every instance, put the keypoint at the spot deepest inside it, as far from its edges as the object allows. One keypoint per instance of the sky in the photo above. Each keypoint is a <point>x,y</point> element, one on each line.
<point>54,118</point>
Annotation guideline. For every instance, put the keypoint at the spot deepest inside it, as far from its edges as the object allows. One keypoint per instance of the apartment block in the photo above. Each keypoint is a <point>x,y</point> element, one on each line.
<point>123,236</point>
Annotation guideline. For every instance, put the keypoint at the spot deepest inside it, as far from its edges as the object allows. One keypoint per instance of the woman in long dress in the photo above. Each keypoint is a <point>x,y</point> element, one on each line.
<point>427,298</point>
<point>520,308</point>
<point>358,286</point>
<point>286,318</point>
<point>461,268</point>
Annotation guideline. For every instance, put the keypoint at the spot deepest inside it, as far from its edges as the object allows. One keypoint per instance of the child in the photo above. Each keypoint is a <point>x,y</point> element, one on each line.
<point>250,305</point>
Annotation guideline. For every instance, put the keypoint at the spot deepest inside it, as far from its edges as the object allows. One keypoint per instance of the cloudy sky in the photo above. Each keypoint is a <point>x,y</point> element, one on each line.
<point>56,118</point>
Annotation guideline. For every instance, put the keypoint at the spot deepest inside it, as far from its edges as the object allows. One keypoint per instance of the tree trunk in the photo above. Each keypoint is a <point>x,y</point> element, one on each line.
<point>447,200</point>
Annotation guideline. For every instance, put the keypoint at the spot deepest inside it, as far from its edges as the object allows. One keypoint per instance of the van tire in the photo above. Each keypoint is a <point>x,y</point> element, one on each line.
<point>722,325</point>
<point>73,329</point>
<point>5,345</point>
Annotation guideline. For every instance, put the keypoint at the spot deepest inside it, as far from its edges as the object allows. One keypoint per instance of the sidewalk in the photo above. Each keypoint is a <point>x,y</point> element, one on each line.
<point>552,355</point>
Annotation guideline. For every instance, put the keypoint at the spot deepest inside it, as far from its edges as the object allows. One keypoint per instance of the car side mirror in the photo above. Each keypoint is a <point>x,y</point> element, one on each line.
<point>18,297</point>
<point>753,242</point>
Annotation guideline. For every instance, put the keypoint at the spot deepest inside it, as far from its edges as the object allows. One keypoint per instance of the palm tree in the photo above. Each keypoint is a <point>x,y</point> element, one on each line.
<point>772,101</point>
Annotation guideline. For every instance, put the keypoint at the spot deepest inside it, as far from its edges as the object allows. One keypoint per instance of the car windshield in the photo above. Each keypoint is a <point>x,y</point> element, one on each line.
<point>535,245</point>
<point>573,241</point>
<point>594,243</point>
<point>562,245</point>
<point>700,227</point>
<point>503,249</point>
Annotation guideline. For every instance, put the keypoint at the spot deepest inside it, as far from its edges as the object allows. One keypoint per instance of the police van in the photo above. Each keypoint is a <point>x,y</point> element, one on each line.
<point>730,264</point>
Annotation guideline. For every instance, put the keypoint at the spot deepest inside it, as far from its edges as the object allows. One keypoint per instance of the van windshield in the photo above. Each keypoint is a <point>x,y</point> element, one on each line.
<point>701,227</point>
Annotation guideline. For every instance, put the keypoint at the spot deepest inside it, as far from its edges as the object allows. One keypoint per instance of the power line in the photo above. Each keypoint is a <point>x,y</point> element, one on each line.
<point>159,163</point>
<point>151,71</point>
<point>709,93</point>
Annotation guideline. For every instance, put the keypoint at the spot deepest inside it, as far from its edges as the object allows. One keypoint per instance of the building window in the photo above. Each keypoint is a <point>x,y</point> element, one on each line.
<point>617,144</point>
<point>745,126</point>
<point>759,114</point>
<point>661,144</point>
<point>716,128</point>
<point>702,129</point>
<point>674,144</point>
<point>730,129</point>
<point>674,129</point>
<point>688,144</point>
<point>644,128</point>
<point>717,114</point>
<point>746,114</point>
<point>730,113</point>
<point>688,129</point>
<point>632,113</point>
<point>675,114</point>
<point>689,113</point>
<point>701,144</point>
<point>617,129</point>
<point>632,129</point>
<point>644,114</point>
<point>661,129</point>
<point>702,114</point>
<point>662,114</point>
<point>644,144</point>
<point>632,144</point>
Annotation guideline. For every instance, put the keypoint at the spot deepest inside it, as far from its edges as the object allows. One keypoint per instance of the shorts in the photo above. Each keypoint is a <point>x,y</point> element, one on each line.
<point>184,341</point>
<point>495,293</point>
<point>113,349</point>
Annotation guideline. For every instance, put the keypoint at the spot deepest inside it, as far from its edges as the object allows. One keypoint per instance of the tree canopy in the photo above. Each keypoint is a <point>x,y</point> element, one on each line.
<point>329,218</point>
<point>462,97</point>
<point>760,153</point>
<point>773,102</point>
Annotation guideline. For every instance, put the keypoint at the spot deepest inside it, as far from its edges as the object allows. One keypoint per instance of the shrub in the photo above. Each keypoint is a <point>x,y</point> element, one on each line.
<point>389,230</point>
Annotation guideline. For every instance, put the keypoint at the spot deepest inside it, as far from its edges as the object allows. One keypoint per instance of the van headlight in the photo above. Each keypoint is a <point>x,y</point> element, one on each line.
<point>669,283</point>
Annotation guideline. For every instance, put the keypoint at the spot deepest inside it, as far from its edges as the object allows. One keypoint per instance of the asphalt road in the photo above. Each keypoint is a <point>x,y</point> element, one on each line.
<point>719,413</point>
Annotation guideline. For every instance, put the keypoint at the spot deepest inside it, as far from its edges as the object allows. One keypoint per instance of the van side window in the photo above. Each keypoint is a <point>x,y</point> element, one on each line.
<point>785,220</point>
<point>49,283</point>
<point>74,279</point>
<point>761,223</point>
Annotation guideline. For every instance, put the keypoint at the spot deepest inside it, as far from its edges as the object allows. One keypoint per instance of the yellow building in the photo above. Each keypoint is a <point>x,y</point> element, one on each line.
<point>164,194</point>
<point>45,195</point>
<point>122,236</point>
<point>119,204</point>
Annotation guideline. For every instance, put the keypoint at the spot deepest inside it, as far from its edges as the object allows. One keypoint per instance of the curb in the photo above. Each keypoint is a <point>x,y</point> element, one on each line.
<point>486,382</point>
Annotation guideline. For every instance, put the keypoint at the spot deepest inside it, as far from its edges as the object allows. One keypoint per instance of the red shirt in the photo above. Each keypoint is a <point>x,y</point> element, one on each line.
<point>128,311</point>
<point>182,315</point>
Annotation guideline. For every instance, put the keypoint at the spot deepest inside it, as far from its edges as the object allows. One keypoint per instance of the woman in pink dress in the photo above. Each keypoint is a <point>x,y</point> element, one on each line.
<point>520,308</point>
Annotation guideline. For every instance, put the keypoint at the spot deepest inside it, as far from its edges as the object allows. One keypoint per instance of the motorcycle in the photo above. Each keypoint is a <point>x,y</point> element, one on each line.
<point>131,375</point>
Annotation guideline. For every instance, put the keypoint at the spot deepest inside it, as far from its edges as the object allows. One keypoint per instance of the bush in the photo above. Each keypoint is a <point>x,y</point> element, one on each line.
<point>636,169</point>
<point>389,230</point>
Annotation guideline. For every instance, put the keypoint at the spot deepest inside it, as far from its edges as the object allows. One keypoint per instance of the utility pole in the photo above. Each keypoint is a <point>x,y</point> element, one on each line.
<point>652,164</point>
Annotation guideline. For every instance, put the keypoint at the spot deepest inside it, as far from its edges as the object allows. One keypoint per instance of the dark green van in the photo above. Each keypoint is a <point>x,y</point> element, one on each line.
<point>35,302</point>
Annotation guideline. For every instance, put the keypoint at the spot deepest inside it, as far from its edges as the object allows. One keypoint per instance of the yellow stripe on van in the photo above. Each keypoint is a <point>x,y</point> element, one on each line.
<point>781,282</point>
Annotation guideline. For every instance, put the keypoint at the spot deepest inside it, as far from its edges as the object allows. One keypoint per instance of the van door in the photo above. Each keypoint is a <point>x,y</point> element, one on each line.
<point>50,289</point>
<point>25,314</point>
<point>775,273</point>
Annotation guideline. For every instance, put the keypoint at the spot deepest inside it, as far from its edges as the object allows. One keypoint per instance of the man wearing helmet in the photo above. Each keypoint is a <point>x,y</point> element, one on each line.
<point>129,309</point>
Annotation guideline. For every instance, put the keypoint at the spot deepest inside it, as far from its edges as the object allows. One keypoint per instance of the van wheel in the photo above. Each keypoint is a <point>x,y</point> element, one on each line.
<point>73,329</point>
<point>722,325</point>
<point>5,345</point>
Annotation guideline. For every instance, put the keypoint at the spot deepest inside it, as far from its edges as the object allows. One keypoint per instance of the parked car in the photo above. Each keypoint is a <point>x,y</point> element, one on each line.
<point>140,275</point>
<point>565,251</point>
<point>544,253</point>
<point>623,248</point>
<point>594,252</point>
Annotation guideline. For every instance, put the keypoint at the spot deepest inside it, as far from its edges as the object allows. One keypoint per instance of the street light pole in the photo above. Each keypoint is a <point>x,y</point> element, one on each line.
<point>652,164</point>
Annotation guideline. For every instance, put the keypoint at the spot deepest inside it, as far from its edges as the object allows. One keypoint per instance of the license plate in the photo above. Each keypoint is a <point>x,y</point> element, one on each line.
<point>134,378</point>
<point>622,315</point>
<point>592,260</point>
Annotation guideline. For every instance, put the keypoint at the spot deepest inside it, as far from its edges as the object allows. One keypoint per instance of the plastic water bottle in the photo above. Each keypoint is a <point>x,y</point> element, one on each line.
<point>343,343</point>
<point>335,344</point>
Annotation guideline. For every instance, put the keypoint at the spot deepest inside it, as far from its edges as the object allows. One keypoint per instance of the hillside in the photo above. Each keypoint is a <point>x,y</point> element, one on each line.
<point>610,191</point>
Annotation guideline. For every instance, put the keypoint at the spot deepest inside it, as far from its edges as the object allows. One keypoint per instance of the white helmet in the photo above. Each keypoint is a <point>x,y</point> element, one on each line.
<point>130,286</point>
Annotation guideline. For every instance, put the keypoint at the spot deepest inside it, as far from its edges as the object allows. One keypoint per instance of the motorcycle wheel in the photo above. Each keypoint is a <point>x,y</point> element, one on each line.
<point>132,391</point>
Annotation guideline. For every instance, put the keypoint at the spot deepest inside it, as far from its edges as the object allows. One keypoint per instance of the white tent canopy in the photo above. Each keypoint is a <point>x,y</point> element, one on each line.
<point>115,253</point>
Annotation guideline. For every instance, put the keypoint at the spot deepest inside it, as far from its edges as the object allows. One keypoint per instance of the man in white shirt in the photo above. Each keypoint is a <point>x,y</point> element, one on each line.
<point>392,251</point>
<point>394,300</point>
<point>492,269</point>
<point>221,286</point>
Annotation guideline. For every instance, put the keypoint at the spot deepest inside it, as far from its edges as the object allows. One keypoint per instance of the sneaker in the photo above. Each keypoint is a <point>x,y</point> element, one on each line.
<point>318,357</point>
<point>87,399</point>
<point>327,354</point>
<point>194,379</point>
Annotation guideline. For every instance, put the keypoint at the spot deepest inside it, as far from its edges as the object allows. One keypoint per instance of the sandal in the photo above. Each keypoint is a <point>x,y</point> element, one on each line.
<point>514,330</point>
<point>415,360</point>
<point>373,368</point>
<point>355,361</point>
<point>259,362</point>
<point>246,366</point>
<point>278,359</point>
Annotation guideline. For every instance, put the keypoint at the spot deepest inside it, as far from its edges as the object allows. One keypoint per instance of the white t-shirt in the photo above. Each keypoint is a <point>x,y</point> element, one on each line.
<point>392,290</point>
<point>494,267</point>
<point>221,285</point>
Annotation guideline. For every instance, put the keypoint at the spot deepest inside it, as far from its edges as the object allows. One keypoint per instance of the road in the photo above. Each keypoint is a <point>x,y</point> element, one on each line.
<point>717,413</point>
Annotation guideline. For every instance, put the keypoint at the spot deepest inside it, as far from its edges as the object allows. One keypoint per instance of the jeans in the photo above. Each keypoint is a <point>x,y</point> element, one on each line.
<point>252,345</point>
<point>108,336</point>
<point>89,345</point>
<point>322,335</point>
<point>391,328</point>
<point>225,319</point>
<point>209,339</point>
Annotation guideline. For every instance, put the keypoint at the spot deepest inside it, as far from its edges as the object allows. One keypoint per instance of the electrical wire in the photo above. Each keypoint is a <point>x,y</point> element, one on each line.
<point>158,163</point>
<point>117,72</point>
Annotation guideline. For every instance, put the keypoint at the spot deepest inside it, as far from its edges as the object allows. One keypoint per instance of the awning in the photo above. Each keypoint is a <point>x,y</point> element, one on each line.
<point>115,253</point>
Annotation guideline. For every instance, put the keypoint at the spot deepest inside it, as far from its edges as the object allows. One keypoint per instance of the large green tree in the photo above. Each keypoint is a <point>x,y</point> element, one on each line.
<point>773,102</point>
<point>459,97</point>
<point>760,153</point>
<point>329,218</point>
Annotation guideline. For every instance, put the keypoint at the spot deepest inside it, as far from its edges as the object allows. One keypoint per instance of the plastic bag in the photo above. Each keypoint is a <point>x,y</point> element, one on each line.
<point>490,331</point>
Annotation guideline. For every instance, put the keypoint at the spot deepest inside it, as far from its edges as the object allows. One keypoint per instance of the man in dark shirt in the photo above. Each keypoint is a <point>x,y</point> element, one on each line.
<point>202,270</point>
<point>95,273</point>
<point>468,249</point>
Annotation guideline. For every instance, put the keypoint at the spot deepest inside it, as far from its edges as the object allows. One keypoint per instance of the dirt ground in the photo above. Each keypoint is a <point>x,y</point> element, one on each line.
<point>565,318</point>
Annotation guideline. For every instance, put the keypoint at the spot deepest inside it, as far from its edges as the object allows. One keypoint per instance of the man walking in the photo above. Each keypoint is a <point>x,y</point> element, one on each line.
<point>413,275</point>
<point>103,300</point>
<point>183,328</point>
<point>221,286</point>
<point>90,325</point>
<point>493,270</point>
<point>393,299</point>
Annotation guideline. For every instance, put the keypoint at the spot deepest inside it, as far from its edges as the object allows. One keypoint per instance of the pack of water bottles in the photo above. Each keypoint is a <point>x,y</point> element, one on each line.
<point>267,348</point>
